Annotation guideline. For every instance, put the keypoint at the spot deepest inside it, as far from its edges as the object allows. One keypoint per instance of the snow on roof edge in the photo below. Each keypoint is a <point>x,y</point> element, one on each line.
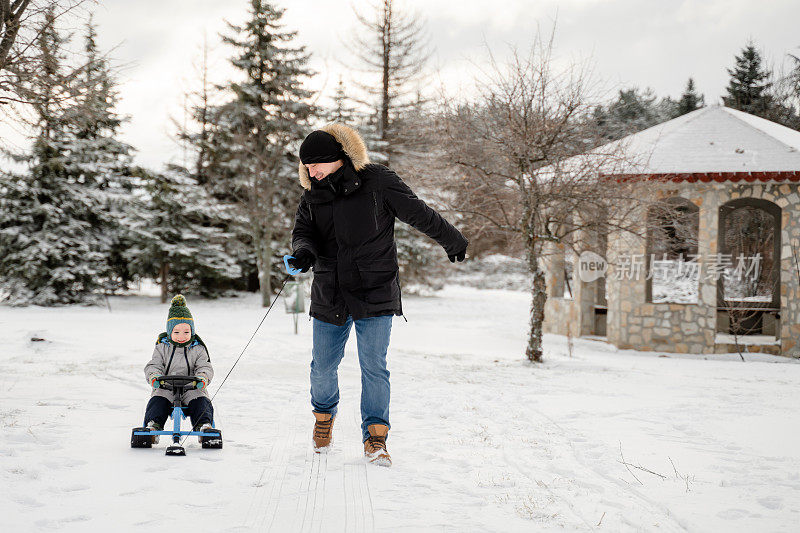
<point>778,132</point>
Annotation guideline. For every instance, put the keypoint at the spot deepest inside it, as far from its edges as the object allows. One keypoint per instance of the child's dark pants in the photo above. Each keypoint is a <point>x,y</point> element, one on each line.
<point>159,408</point>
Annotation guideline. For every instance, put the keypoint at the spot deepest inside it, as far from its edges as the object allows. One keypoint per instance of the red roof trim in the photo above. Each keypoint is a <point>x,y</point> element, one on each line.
<point>719,177</point>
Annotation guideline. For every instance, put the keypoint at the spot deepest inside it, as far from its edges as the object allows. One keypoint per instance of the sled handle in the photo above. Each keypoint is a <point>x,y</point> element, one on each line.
<point>174,381</point>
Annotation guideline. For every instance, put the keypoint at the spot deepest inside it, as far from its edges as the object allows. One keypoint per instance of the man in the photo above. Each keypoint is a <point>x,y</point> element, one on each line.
<point>344,228</point>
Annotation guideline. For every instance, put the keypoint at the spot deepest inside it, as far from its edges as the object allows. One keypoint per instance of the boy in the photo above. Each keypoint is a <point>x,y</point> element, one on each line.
<point>179,351</point>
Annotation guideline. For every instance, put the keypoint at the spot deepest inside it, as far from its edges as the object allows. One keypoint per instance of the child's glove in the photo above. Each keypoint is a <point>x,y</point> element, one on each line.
<point>201,382</point>
<point>154,381</point>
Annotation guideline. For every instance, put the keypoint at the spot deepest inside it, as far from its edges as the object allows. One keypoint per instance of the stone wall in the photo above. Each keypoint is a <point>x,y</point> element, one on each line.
<point>635,323</point>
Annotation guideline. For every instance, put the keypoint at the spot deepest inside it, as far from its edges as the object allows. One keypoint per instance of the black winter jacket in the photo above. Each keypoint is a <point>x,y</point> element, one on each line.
<point>351,234</point>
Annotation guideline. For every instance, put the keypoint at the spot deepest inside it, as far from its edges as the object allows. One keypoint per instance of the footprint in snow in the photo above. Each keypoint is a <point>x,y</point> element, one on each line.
<point>72,488</point>
<point>771,502</point>
<point>200,481</point>
<point>27,501</point>
<point>733,514</point>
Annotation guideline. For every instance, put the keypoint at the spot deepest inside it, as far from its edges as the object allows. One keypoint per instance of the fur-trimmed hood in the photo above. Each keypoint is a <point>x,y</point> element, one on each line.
<point>352,144</point>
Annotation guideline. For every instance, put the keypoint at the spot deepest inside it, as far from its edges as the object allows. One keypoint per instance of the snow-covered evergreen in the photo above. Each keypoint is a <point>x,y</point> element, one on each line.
<point>98,160</point>
<point>54,218</point>
<point>689,100</point>
<point>170,242</point>
<point>257,132</point>
<point>633,110</point>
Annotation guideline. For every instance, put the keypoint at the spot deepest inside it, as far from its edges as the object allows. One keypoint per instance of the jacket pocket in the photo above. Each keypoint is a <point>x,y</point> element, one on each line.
<point>379,280</point>
<point>323,287</point>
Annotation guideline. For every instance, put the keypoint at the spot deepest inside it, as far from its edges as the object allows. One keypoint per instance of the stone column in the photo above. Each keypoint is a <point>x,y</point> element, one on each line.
<point>788,200</point>
<point>708,198</point>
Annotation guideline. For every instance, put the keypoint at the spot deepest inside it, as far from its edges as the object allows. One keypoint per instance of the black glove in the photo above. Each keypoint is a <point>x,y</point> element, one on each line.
<point>458,256</point>
<point>302,259</point>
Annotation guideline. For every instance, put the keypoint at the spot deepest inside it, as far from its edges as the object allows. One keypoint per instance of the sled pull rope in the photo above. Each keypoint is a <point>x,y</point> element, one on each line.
<point>253,336</point>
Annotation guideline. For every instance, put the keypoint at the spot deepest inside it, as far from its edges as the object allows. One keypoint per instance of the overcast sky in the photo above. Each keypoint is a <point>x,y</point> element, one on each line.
<point>648,43</point>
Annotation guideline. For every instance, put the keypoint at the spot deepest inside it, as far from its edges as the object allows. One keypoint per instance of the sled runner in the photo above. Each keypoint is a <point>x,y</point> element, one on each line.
<point>210,438</point>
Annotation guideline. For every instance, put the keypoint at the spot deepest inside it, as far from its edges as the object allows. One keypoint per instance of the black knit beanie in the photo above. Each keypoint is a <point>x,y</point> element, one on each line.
<point>320,147</point>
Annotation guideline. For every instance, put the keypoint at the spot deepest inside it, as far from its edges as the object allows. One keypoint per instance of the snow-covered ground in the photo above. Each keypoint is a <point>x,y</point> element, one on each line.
<point>481,440</point>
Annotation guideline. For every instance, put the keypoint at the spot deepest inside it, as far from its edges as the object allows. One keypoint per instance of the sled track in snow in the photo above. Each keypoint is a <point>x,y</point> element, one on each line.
<point>264,503</point>
<point>311,496</point>
<point>291,497</point>
<point>358,512</point>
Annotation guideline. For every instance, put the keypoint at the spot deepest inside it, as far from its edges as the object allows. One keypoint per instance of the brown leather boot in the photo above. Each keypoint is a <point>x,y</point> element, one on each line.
<point>323,431</point>
<point>375,445</point>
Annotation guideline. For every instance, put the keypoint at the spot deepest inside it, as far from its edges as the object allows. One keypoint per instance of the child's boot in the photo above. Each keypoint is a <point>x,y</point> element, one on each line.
<point>202,429</point>
<point>375,445</point>
<point>323,431</point>
<point>154,426</point>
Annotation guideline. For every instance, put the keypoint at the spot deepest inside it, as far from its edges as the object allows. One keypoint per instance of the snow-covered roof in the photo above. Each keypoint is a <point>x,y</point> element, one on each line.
<point>713,139</point>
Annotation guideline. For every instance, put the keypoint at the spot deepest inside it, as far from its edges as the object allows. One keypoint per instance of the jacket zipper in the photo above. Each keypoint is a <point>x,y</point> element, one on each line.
<point>375,201</point>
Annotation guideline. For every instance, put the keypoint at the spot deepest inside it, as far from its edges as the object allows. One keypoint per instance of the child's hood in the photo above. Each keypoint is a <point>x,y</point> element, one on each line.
<point>163,338</point>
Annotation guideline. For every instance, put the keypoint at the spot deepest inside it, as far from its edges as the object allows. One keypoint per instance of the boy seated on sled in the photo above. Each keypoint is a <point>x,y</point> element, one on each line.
<point>179,351</point>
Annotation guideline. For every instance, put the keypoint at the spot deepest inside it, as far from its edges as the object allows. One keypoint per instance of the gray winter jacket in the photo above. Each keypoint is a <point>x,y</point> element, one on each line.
<point>192,360</point>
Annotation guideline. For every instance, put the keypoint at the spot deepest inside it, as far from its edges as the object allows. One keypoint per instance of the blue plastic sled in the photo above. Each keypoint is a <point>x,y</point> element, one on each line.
<point>143,437</point>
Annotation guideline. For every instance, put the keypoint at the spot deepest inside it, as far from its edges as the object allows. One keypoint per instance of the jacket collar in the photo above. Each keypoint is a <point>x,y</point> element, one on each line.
<point>343,182</point>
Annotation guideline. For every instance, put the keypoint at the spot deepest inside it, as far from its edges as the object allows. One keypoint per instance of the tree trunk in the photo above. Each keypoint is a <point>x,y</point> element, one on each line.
<point>538,290</point>
<point>264,265</point>
<point>12,20</point>
<point>538,299</point>
<point>164,276</point>
<point>383,125</point>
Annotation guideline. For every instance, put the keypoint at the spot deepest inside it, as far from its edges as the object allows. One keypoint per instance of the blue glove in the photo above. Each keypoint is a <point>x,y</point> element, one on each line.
<point>302,260</point>
<point>154,381</point>
<point>201,382</point>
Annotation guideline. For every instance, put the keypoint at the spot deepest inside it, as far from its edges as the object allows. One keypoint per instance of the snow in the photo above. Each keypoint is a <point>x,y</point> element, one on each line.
<point>494,271</point>
<point>742,340</point>
<point>481,440</point>
<point>710,139</point>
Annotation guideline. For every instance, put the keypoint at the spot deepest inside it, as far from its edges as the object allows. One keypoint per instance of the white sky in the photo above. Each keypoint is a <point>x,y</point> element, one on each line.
<point>649,43</point>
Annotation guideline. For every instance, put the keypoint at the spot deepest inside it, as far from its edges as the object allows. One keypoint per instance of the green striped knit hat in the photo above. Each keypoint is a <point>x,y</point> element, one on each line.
<point>179,313</point>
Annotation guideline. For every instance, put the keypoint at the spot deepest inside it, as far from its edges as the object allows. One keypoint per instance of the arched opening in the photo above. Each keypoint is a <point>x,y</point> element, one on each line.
<point>672,261</point>
<point>748,284</point>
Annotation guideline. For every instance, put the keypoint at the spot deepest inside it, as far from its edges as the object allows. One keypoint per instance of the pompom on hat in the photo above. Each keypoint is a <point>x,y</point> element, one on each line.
<point>179,314</point>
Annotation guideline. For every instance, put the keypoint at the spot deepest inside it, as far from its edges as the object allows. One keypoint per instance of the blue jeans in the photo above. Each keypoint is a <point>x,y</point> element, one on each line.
<point>372,336</point>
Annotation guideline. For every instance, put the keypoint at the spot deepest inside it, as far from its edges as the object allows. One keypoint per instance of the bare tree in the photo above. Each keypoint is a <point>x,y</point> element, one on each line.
<point>11,18</point>
<point>394,45</point>
<point>20,29</point>
<point>516,165</point>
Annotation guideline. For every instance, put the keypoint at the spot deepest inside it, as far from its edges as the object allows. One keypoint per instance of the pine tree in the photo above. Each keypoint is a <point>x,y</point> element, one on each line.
<point>52,247</point>
<point>634,110</point>
<point>258,130</point>
<point>170,242</point>
<point>341,111</point>
<point>690,100</point>
<point>393,44</point>
<point>200,138</point>
<point>748,88</point>
<point>97,159</point>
